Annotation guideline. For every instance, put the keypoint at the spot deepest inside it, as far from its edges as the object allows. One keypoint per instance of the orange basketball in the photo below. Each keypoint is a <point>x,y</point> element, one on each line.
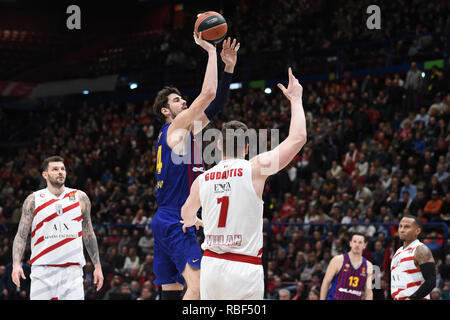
<point>212,25</point>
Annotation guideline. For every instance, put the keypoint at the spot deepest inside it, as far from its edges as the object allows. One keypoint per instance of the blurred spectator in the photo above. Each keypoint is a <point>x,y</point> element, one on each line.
<point>284,294</point>
<point>435,294</point>
<point>131,261</point>
<point>313,294</point>
<point>413,82</point>
<point>146,242</point>
<point>146,294</point>
<point>433,207</point>
<point>434,243</point>
<point>4,295</point>
<point>300,293</point>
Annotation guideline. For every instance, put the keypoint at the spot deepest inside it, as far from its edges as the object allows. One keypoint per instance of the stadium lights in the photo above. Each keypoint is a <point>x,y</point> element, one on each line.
<point>85,91</point>
<point>236,85</point>
<point>133,85</point>
<point>423,74</point>
<point>268,91</point>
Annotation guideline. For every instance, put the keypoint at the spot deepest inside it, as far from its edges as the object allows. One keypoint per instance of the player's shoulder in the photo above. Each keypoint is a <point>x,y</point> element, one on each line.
<point>338,259</point>
<point>423,253</point>
<point>30,197</point>
<point>80,193</point>
<point>369,264</point>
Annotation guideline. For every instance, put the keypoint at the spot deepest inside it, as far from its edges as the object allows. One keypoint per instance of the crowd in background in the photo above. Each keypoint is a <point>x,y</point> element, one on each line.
<point>378,148</point>
<point>370,158</point>
<point>310,35</point>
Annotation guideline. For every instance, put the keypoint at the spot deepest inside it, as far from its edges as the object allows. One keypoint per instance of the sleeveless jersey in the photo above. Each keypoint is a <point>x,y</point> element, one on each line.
<point>56,230</point>
<point>406,278</point>
<point>349,283</point>
<point>232,212</point>
<point>175,173</point>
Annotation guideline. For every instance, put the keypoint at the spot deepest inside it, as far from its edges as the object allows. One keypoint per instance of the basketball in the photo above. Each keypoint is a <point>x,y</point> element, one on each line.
<point>212,25</point>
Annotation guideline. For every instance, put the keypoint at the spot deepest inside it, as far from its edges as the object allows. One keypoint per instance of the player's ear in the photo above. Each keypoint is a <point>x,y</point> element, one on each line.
<point>418,231</point>
<point>45,174</point>
<point>165,111</point>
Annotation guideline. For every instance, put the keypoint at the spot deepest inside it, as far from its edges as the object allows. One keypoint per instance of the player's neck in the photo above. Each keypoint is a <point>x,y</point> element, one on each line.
<point>407,243</point>
<point>354,256</point>
<point>56,191</point>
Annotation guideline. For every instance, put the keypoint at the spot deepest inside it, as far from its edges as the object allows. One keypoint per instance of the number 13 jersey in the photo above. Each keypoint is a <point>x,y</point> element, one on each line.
<point>232,212</point>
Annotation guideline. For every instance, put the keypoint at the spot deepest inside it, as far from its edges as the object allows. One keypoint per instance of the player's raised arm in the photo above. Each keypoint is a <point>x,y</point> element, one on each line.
<point>190,208</point>
<point>229,58</point>
<point>268,163</point>
<point>185,119</point>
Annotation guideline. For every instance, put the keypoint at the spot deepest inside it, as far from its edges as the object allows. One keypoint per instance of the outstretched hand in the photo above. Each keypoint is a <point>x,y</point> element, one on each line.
<point>294,90</point>
<point>229,52</point>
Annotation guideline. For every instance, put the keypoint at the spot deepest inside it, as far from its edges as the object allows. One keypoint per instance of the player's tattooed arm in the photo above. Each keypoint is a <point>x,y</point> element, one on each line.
<point>20,240</point>
<point>89,238</point>
<point>423,255</point>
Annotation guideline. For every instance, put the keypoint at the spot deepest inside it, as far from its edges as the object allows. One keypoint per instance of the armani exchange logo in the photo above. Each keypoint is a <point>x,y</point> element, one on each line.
<point>61,230</point>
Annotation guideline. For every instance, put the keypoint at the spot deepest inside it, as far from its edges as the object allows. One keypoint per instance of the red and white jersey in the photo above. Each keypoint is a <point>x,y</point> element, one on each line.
<point>56,231</point>
<point>406,278</point>
<point>232,212</point>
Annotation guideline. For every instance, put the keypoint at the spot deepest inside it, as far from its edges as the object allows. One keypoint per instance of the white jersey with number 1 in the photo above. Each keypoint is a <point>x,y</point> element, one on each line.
<point>231,210</point>
<point>232,214</point>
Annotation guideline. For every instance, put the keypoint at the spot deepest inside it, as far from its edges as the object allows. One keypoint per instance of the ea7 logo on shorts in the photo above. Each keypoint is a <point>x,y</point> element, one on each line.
<point>222,187</point>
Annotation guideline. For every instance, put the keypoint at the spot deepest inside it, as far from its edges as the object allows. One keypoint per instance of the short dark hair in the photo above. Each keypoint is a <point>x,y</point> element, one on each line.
<point>358,234</point>
<point>161,101</point>
<point>234,130</point>
<point>51,159</point>
<point>415,218</point>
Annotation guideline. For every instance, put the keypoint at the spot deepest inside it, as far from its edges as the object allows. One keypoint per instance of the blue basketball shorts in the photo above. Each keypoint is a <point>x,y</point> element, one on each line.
<point>173,248</point>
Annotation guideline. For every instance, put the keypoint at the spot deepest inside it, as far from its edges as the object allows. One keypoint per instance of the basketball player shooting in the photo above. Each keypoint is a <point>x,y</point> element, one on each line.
<point>413,270</point>
<point>59,219</point>
<point>177,255</point>
<point>230,195</point>
<point>349,274</point>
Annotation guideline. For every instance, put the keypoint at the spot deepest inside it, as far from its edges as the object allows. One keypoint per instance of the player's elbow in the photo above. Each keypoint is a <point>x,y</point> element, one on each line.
<point>303,139</point>
<point>209,94</point>
<point>299,141</point>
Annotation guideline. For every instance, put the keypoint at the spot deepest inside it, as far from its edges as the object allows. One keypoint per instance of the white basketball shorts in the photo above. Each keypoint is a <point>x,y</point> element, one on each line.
<point>228,277</point>
<point>56,283</point>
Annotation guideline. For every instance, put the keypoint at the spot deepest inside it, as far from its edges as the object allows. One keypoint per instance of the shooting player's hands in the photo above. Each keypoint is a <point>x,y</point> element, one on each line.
<point>229,52</point>
<point>294,90</point>
<point>209,47</point>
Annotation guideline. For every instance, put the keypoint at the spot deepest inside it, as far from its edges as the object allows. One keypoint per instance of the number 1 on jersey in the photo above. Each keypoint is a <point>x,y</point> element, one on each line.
<point>223,211</point>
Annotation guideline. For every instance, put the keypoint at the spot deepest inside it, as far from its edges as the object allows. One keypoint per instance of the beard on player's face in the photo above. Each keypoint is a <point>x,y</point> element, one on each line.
<point>56,182</point>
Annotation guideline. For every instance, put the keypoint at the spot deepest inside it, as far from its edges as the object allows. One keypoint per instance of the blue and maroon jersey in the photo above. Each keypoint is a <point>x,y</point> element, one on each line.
<point>349,283</point>
<point>175,173</point>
